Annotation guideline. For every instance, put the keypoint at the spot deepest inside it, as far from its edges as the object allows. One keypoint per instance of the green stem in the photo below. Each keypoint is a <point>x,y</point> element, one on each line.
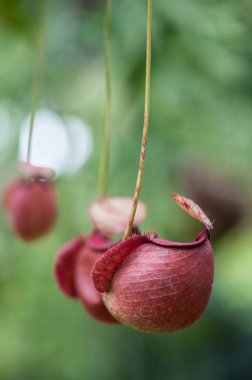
<point>146,122</point>
<point>38,66</point>
<point>104,162</point>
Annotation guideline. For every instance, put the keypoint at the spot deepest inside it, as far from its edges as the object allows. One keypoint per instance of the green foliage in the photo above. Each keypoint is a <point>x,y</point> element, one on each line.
<point>200,111</point>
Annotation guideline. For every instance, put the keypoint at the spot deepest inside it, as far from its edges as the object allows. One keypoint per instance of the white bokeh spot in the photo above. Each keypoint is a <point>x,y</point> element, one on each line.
<point>62,144</point>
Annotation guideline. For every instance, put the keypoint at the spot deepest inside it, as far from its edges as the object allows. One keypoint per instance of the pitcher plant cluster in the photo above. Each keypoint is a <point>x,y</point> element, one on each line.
<point>139,280</point>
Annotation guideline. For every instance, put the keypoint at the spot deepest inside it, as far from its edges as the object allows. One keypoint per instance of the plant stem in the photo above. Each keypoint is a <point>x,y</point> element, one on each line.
<point>38,65</point>
<point>104,161</point>
<point>146,122</point>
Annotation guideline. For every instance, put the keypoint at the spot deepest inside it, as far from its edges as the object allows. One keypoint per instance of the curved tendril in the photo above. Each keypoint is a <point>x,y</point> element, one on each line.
<point>104,161</point>
<point>38,68</point>
<point>146,122</point>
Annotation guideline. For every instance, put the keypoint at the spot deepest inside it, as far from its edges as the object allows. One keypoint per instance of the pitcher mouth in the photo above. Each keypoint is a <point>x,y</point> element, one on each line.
<point>200,239</point>
<point>102,245</point>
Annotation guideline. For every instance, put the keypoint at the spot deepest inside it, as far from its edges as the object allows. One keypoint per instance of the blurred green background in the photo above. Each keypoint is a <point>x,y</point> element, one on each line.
<point>200,144</point>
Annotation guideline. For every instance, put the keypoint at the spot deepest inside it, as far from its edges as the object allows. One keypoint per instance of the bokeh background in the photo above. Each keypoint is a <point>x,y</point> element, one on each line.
<point>200,145</point>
